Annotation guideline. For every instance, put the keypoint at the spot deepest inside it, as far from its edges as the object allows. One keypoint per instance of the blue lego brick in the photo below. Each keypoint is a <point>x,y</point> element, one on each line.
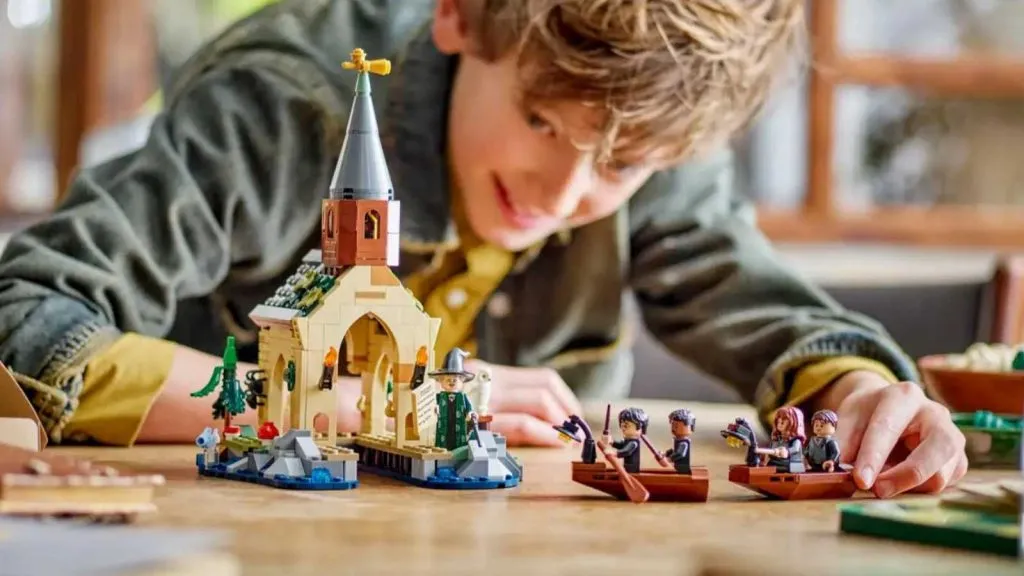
<point>280,481</point>
<point>445,479</point>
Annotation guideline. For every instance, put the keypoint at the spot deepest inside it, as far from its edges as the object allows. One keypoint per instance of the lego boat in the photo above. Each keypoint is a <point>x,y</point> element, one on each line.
<point>769,482</point>
<point>663,485</point>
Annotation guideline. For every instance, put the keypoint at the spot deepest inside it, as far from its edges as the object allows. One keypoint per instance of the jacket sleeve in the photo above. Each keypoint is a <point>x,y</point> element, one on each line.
<point>713,291</point>
<point>229,182</point>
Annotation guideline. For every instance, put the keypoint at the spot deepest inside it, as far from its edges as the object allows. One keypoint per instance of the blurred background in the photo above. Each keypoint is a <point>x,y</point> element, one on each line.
<point>891,172</point>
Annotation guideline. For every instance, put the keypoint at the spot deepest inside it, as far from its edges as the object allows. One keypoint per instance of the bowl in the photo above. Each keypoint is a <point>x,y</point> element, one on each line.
<point>963,390</point>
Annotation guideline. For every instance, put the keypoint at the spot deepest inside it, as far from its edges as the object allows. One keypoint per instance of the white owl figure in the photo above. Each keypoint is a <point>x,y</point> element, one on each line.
<point>479,391</point>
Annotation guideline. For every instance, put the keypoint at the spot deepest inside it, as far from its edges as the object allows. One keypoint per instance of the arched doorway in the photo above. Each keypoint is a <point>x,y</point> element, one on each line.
<point>370,353</point>
<point>276,408</point>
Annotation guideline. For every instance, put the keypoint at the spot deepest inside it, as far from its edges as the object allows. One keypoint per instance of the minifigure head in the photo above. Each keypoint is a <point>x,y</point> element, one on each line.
<point>449,382</point>
<point>560,111</point>
<point>633,422</point>
<point>682,422</point>
<point>824,422</point>
<point>789,423</point>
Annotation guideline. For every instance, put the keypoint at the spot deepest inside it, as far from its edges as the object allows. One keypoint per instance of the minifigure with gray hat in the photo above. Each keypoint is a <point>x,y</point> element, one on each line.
<point>454,409</point>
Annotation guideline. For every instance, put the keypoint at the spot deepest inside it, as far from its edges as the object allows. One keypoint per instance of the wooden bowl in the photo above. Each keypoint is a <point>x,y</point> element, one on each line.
<point>969,391</point>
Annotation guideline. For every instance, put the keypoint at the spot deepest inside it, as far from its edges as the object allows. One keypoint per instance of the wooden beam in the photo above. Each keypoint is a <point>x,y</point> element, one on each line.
<point>940,226</point>
<point>1008,313</point>
<point>821,104</point>
<point>969,76</point>
<point>107,70</point>
<point>79,82</point>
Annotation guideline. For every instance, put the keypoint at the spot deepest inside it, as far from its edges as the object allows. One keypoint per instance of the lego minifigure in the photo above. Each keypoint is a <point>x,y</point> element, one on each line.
<point>209,442</point>
<point>682,422</point>
<point>633,424</point>
<point>822,450</point>
<point>787,441</point>
<point>454,410</point>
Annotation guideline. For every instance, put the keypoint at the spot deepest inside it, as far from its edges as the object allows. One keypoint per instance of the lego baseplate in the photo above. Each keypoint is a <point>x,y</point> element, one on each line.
<point>444,479</point>
<point>927,521</point>
<point>317,481</point>
<point>436,468</point>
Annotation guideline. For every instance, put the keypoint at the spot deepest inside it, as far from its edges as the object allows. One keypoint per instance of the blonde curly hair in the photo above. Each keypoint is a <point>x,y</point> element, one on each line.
<point>672,78</point>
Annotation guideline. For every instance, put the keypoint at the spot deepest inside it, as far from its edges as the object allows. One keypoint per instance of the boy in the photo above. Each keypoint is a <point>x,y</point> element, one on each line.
<point>548,155</point>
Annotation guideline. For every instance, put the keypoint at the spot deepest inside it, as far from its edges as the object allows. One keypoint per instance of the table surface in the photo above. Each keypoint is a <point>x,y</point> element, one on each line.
<point>548,525</point>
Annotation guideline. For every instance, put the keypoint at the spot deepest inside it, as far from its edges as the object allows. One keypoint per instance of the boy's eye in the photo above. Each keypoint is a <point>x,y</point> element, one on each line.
<point>617,169</point>
<point>539,124</point>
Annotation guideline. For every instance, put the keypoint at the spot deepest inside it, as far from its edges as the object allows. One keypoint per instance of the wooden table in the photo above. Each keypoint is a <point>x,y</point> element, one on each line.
<point>548,525</point>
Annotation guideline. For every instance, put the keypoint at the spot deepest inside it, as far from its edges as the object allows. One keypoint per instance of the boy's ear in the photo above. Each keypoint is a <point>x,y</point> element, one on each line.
<point>450,29</point>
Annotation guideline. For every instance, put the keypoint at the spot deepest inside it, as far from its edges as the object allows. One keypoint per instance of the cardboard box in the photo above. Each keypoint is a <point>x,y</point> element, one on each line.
<point>14,406</point>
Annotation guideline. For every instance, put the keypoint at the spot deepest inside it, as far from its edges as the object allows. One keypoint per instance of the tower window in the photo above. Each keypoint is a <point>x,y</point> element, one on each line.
<point>371,225</point>
<point>330,222</point>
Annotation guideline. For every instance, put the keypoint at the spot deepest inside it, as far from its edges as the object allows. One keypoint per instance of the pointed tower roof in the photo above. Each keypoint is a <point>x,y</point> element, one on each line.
<point>362,172</point>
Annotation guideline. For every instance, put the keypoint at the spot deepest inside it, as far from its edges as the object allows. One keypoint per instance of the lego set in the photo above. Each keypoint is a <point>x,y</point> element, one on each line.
<point>791,468</point>
<point>621,475</point>
<point>345,297</point>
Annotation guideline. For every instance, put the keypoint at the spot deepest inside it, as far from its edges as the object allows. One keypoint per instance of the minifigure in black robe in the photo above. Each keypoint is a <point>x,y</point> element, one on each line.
<point>682,422</point>
<point>633,423</point>
<point>823,450</point>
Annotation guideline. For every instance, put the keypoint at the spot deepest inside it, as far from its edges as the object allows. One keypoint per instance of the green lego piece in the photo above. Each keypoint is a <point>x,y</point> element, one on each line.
<point>927,521</point>
<point>304,290</point>
<point>289,375</point>
<point>993,440</point>
<point>231,400</point>
<point>1018,361</point>
<point>242,444</point>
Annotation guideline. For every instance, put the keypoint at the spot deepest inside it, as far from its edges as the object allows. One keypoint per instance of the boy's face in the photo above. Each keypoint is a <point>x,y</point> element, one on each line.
<point>524,171</point>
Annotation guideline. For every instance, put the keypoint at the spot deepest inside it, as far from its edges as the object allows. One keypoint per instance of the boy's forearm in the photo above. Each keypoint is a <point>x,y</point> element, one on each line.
<point>712,290</point>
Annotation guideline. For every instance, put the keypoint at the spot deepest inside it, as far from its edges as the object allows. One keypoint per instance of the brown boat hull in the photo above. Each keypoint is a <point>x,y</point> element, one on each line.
<point>664,485</point>
<point>765,480</point>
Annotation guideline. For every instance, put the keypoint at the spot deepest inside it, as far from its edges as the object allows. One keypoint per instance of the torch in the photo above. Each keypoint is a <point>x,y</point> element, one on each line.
<point>419,371</point>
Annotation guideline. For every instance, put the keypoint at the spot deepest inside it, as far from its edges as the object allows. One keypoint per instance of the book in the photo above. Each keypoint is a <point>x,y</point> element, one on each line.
<point>44,484</point>
<point>981,517</point>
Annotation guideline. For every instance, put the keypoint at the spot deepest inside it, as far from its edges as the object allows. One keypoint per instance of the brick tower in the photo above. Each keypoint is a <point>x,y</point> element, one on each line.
<point>359,222</point>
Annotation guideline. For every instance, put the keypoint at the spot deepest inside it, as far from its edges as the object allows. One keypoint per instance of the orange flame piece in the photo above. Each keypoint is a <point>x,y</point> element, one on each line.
<point>421,356</point>
<point>331,358</point>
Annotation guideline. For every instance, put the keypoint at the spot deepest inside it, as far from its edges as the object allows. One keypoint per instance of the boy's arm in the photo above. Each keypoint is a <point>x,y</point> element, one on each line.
<point>711,288</point>
<point>230,180</point>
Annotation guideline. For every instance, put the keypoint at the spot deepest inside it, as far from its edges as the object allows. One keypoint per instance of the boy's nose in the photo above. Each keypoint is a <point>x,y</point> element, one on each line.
<point>565,187</point>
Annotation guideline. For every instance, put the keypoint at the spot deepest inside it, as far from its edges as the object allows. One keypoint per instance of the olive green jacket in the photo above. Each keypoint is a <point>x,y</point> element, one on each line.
<point>181,238</point>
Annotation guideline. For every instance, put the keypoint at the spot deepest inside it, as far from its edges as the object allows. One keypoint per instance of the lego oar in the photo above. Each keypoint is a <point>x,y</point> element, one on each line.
<point>657,455</point>
<point>634,489</point>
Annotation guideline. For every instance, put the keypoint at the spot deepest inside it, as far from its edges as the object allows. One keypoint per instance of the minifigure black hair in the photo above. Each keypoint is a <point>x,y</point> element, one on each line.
<point>636,416</point>
<point>685,416</point>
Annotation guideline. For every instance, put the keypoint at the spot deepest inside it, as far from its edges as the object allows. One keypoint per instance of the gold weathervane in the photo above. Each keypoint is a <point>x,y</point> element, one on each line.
<point>361,64</point>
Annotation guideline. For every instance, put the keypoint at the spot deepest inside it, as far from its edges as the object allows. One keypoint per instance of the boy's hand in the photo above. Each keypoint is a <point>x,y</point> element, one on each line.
<point>897,439</point>
<point>526,402</point>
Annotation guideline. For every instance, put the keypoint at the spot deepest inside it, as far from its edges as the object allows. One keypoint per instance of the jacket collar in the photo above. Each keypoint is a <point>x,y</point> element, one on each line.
<point>414,135</point>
